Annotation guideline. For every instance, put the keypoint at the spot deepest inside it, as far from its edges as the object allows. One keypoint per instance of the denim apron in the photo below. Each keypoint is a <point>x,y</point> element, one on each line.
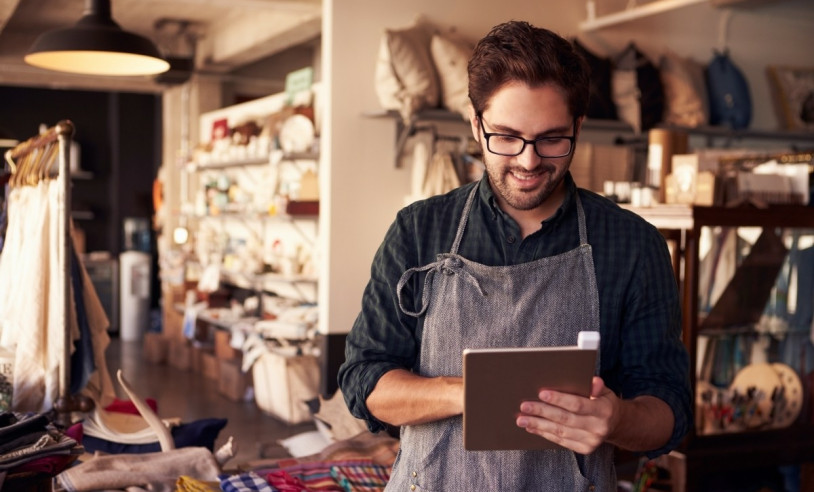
<point>546,302</point>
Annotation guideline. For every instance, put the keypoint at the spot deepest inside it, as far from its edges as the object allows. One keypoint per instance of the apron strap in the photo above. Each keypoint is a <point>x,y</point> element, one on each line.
<point>430,269</point>
<point>583,229</point>
<point>464,217</point>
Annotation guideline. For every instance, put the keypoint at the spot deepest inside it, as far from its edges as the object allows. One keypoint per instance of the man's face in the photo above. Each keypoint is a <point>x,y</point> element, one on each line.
<point>525,181</point>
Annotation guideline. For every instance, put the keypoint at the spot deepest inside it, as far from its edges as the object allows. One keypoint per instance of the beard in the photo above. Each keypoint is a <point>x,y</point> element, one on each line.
<point>502,177</point>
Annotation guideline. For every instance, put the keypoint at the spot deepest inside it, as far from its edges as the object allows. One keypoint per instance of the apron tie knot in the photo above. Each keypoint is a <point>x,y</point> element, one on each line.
<point>447,264</point>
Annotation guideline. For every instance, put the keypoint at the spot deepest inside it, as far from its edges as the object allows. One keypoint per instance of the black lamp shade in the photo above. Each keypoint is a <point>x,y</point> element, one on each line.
<point>96,45</point>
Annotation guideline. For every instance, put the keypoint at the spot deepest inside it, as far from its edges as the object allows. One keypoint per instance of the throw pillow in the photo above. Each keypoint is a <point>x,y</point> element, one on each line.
<point>451,58</point>
<point>405,77</point>
<point>684,90</point>
<point>600,105</point>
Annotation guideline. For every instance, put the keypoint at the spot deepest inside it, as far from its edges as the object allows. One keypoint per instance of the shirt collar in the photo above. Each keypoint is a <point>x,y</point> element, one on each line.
<point>487,196</point>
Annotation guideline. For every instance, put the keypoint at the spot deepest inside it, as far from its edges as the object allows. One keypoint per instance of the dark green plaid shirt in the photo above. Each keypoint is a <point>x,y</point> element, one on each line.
<point>642,352</point>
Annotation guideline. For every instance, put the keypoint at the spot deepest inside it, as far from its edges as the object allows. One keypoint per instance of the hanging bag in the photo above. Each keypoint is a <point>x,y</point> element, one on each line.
<point>729,101</point>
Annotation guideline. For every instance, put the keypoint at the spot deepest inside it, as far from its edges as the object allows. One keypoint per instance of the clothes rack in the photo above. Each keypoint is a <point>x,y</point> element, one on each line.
<point>28,163</point>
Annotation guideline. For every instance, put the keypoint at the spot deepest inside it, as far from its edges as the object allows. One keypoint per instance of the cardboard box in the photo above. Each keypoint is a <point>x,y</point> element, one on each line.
<point>180,354</point>
<point>199,351</point>
<point>173,322</point>
<point>209,366</point>
<point>155,348</point>
<point>233,383</point>
<point>223,349</point>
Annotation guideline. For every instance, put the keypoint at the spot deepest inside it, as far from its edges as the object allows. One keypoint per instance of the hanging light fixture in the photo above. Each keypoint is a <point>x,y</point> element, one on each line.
<point>96,45</point>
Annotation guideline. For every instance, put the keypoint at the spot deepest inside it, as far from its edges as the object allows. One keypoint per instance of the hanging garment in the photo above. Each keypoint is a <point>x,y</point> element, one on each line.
<point>545,302</point>
<point>31,323</point>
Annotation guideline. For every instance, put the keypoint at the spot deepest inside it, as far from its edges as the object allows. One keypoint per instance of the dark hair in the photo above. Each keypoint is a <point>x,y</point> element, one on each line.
<point>518,51</point>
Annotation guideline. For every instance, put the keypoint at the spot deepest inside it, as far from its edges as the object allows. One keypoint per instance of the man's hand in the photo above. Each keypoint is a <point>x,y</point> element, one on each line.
<point>583,424</point>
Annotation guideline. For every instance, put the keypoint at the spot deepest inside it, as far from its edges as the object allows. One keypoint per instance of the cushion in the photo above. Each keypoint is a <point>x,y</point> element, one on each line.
<point>685,96</point>
<point>450,58</point>
<point>637,90</point>
<point>600,105</point>
<point>405,77</point>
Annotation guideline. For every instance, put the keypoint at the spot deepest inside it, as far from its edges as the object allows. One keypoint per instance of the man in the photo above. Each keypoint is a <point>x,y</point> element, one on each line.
<point>521,258</point>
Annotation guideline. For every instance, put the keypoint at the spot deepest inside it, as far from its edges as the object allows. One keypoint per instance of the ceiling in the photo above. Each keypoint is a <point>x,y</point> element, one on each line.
<point>226,34</point>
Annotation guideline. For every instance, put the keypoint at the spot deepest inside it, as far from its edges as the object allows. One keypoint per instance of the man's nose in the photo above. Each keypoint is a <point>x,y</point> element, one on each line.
<point>528,158</point>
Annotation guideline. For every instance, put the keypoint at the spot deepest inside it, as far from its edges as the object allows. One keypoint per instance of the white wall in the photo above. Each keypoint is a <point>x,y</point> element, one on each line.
<point>362,189</point>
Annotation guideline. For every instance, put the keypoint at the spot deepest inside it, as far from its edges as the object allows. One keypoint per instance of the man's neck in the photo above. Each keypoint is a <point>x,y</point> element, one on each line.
<point>530,221</point>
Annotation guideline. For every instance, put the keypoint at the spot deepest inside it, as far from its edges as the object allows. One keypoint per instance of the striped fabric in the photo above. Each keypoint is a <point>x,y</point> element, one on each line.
<point>361,478</point>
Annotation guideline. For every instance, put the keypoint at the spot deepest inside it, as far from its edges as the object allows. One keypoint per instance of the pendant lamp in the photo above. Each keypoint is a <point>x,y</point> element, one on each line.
<point>96,45</point>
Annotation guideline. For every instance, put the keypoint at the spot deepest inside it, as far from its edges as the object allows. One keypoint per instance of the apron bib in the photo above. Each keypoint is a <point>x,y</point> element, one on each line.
<point>546,302</point>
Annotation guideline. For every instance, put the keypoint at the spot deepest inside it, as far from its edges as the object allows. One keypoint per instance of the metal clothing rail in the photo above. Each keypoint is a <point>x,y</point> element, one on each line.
<point>30,162</point>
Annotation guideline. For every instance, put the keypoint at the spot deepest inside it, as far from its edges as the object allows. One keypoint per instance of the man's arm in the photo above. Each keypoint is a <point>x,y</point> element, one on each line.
<point>404,398</point>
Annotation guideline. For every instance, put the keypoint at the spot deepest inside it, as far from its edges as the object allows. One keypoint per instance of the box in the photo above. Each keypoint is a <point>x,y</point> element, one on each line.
<point>173,322</point>
<point>223,349</point>
<point>180,354</point>
<point>199,351</point>
<point>233,383</point>
<point>283,384</point>
<point>209,366</point>
<point>155,348</point>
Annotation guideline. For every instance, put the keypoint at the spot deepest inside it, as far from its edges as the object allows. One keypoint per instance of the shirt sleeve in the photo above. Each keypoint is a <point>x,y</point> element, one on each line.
<point>654,359</point>
<point>382,338</point>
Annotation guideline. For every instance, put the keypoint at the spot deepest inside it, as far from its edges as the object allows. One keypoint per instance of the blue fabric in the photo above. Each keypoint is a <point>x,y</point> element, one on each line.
<point>82,361</point>
<point>199,433</point>
<point>640,318</point>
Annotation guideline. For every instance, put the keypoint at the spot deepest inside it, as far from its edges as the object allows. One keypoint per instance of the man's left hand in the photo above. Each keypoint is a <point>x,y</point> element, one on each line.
<point>574,422</point>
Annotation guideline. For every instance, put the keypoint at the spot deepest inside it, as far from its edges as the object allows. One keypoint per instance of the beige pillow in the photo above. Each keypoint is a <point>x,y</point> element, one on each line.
<point>684,90</point>
<point>405,79</point>
<point>451,58</point>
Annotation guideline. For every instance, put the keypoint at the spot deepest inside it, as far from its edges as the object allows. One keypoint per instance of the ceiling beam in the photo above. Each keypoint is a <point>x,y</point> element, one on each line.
<point>246,39</point>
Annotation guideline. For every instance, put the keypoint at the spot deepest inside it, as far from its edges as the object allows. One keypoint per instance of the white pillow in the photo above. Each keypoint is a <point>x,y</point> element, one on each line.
<point>451,58</point>
<point>405,79</point>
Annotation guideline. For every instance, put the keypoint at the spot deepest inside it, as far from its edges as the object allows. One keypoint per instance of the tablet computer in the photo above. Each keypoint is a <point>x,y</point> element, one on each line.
<point>497,380</point>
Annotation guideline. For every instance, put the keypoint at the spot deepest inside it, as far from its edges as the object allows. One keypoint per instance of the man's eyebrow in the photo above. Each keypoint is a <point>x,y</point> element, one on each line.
<point>556,131</point>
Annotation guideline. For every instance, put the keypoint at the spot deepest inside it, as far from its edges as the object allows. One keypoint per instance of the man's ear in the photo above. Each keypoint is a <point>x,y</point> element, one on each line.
<point>473,122</point>
<point>578,126</point>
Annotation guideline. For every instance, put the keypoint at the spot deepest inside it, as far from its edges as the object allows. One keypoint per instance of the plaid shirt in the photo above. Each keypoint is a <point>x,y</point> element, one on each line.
<point>640,316</point>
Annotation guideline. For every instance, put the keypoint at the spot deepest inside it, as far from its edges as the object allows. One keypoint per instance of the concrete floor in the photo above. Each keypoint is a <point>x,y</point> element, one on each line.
<point>191,396</point>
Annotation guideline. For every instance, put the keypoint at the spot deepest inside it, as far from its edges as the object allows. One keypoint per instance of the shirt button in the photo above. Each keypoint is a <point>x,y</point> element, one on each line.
<point>511,239</point>
<point>412,487</point>
<point>592,488</point>
<point>415,474</point>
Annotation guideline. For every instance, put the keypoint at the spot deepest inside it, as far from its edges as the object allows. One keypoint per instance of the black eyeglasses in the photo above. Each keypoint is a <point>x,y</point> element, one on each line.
<point>511,145</point>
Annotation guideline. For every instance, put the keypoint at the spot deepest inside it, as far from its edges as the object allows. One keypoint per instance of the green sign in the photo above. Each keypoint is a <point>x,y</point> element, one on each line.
<point>298,81</point>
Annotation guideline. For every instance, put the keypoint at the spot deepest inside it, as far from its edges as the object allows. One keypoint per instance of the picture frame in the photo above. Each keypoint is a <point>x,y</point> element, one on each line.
<point>793,94</point>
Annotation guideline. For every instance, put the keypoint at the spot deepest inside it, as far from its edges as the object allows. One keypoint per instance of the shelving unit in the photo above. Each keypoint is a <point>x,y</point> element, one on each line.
<point>702,454</point>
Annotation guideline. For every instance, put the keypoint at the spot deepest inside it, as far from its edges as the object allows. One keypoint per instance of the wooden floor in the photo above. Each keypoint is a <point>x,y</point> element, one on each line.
<point>191,396</point>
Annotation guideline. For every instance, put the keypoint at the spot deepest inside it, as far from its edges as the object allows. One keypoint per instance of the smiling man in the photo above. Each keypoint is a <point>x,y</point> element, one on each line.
<point>522,258</point>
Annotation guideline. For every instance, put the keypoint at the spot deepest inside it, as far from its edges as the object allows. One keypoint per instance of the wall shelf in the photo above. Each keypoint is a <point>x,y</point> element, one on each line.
<point>656,7</point>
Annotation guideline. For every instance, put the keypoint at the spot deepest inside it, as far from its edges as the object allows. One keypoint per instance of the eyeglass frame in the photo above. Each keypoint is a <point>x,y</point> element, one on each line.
<point>488,135</point>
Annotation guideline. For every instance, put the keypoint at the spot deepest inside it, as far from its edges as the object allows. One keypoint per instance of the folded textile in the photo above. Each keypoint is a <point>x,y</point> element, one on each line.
<point>159,471</point>
<point>127,406</point>
<point>189,484</point>
<point>14,424</point>
<point>361,478</point>
<point>54,463</point>
<point>47,444</point>
<point>244,482</point>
